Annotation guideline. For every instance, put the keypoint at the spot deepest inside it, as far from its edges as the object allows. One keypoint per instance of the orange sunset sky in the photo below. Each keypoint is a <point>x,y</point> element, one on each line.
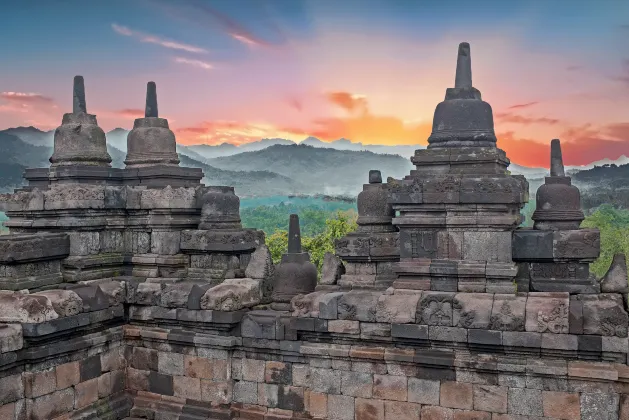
<point>370,71</point>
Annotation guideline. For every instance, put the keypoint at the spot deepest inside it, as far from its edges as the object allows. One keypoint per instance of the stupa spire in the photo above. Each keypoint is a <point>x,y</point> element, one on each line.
<point>556,159</point>
<point>463,78</point>
<point>151,101</point>
<point>294,235</point>
<point>78,96</point>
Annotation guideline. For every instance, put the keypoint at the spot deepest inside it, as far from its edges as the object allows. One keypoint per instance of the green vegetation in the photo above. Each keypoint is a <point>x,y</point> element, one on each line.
<point>271,214</point>
<point>614,226</point>
<point>335,226</point>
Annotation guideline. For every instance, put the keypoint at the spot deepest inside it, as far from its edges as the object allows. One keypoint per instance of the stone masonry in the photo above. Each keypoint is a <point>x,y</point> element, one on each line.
<point>136,293</point>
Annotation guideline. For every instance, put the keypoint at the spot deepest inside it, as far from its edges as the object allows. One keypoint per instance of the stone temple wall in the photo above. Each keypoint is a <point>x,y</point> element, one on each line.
<point>136,293</point>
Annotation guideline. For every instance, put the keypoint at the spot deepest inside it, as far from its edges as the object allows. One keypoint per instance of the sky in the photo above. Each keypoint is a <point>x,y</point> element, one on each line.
<point>371,71</point>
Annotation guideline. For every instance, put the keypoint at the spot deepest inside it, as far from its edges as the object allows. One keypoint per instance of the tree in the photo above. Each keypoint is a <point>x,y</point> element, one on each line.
<point>614,227</point>
<point>342,223</point>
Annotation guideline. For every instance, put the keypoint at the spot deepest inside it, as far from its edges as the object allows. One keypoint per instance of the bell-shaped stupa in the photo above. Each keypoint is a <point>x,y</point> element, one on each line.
<point>558,202</point>
<point>463,119</point>
<point>79,141</point>
<point>295,275</point>
<point>151,142</point>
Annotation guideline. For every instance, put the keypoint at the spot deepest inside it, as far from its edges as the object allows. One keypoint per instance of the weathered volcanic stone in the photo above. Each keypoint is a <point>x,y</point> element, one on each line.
<point>23,308</point>
<point>615,280</point>
<point>64,302</point>
<point>79,140</point>
<point>25,248</point>
<point>232,295</point>
<point>332,270</point>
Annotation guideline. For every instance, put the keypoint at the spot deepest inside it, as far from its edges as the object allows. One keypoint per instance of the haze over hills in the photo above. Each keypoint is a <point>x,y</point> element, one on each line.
<point>262,168</point>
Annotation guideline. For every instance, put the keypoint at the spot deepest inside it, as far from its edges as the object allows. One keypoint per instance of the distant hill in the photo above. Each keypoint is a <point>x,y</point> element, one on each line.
<point>32,135</point>
<point>331,171</point>
<point>246,183</point>
<point>17,155</point>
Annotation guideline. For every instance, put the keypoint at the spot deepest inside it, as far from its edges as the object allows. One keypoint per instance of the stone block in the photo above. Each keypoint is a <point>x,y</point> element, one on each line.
<point>86,393</point>
<point>176,295</point>
<point>11,338</point>
<point>416,243</point>
<point>524,401</point>
<point>419,332</point>
<point>508,312</point>
<point>398,309</point>
<point>368,409</point>
<point>358,306</point>
<point>268,395</point>
<point>93,297</point>
<point>24,308</point>
<point>148,293</point>
<point>490,398</point>
<point>84,243</point>
<point>165,242</point>
<point>397,410</point>
<point>328,305</point>
<point>604,314</point>
<point>457,395</point>
<point>599,406</point>
<point>278,373</point>
<point>253,370</point>
<point>436,308</point>
<point>51,405</point>
<point>484,337</point>
<point>357,384</point>
<point>616,280</point>
<point>39,383</point>
<point>472,310</point>
<point>290,398</point>
<point>561,405</point>
<point>318,404</point>
<point>342,326</point>
<point>332,269</point>
<point>580,244</point>
<point>547,312</point>
<point>245,392</point>
<point>340,407</point>
<point>424,391</point>
<point>532,245</point>
<point>325,380</point>
<point>170,363</point>
<point>436,413</point>
<point>67,374</point>
<point>447,334</point>
<point>487,246</point>
<point>187,387</point>
<point>389,387</point>
<point>232,295</point>
<point>11,389</point>
<point>90,368</point>
<point>216,392</point>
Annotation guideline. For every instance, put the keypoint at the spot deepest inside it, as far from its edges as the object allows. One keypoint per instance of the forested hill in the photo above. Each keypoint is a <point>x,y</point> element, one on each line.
<point>246,183</point>
<point>617,175</point>
<point>331,171</point>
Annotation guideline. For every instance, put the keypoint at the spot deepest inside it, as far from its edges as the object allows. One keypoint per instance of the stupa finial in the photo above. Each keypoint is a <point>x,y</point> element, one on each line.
<point>463,79</point>
<point>78,96</point>
<point>294,235</point>
<point>151,100</point>
<point>556,159</point>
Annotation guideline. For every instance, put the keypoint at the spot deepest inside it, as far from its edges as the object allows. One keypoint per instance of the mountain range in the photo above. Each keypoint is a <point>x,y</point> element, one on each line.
<point>261,168</point>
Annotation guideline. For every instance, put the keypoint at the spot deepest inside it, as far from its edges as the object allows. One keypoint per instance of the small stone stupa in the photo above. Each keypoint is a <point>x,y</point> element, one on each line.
<point>556,254</point>
<point>370,251</point>
<point>79,140</point>
<point>295,275</point>
<point>152,158</point>
<point>151,142</point>
<point>558,202</point>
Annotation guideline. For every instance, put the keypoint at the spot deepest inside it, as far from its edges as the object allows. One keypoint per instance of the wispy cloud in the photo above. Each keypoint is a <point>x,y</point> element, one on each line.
<point>351,102</point>
<point>195,63</point>
<point>521,119</point>
<point>25,98</point>
<point>130,113</point>
<point>526,105</point>
<point>152,39</point>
